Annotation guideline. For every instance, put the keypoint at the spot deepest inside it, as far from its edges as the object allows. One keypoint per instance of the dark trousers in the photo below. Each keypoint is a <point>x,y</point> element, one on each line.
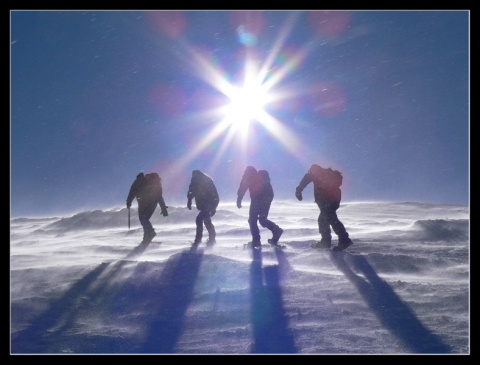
<point>145,212</point>
<point>328,218</point>
<point>259,213</point>
<point>204,218</point>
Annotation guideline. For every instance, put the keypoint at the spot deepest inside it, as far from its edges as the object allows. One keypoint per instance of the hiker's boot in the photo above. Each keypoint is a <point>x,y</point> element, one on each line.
<point>324,243</point>
<point>276,236</point>
<point>152,235</point>
<point>148,236</point>
<point>255,243</point>
<point>343,243</point>
<point>210,242</point>
<point>197,241</point>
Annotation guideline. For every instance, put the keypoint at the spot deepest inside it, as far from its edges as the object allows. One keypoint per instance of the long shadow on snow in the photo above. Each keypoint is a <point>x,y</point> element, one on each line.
<point>103,296</point>
<point>175,291</point>
<point>48,333</point>
<point>389,308</point>
<point>44,334</point>
<point>270,325</point>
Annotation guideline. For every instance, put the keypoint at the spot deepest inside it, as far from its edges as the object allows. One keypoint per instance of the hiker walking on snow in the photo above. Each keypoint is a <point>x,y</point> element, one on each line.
<point>327,193</point>
<point>148,191</point>
<point>261,195</point>
<point>203,190</point>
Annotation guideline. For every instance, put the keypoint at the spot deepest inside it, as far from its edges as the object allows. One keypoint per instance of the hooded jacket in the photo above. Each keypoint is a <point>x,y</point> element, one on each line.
<point>203,190</point>
<point>323,189</point>
<point>258,184</point>
<point>148,190</point>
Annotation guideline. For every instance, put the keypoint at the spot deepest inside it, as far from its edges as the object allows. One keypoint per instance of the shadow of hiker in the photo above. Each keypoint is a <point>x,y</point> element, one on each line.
<point>284,268</point>
<point>108,293</point>
<point>93,294</point>
<point>175,291</point>
<point>270,325</point>
<point>137,251</point>
<point>389,308</point>
<point>47,329</point>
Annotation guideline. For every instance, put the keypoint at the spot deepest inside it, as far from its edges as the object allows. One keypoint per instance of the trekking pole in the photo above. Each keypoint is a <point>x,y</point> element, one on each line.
<point>128,218</point>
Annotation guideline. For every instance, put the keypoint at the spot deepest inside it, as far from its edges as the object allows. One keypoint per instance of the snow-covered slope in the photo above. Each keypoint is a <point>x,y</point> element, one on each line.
<point>85,284</point>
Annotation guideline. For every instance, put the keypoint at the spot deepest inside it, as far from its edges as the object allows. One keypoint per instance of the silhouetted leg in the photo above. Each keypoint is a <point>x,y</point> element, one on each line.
<point>209,225</point>
<point>199,223</point>
<point>323,225</point>
<point>337,226</point>
<point>263,209</point>
<point>267,223</point>
<point>145,212</point>
<point>275,229</point>
<point>252,221</point>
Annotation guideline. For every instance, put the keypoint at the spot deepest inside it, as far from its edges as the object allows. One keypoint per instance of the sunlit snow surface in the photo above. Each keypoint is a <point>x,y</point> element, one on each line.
<point>84,284</point>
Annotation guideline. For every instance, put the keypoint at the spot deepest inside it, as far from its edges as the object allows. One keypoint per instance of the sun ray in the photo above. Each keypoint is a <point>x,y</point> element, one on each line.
<point>225,144</point>
<point>209,73</point>
<point>203,143</point>
<point>287,137</point>
<point>247,100</point>
<point>277,47</point>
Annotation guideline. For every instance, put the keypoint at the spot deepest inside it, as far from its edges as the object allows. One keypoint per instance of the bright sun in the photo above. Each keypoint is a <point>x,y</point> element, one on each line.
<point>246,105</point>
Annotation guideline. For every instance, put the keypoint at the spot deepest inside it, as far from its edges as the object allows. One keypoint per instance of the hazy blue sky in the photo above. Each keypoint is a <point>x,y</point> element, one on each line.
<point>98,96</point>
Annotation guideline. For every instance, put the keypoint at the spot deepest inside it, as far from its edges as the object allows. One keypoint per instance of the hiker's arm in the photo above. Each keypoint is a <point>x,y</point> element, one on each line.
<point>131,194</point>
<point>303,183</point>
<point>162,204</point>
<point>190,196</point>
<point>244,184</point>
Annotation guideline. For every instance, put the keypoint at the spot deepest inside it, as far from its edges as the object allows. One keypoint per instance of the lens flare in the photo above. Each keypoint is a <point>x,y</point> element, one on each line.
<point>252,93</point>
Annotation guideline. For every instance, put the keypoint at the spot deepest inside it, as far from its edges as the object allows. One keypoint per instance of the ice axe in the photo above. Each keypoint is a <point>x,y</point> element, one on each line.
<point>128,218</point>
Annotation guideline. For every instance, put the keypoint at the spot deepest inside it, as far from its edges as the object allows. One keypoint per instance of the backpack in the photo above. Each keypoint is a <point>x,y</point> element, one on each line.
<point>263,177</point>
<point>259,183</point>
<point>153,184</point>
<point>326,177</point>
<point>153,179</point>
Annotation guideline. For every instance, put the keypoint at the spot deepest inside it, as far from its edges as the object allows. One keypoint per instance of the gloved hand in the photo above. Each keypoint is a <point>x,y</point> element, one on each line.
<point>298,194</point>
<point>189,205</point>
<point>212,213</point>
<point>239,203</point>
<point>129,205</point>
<point>164,212</point>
